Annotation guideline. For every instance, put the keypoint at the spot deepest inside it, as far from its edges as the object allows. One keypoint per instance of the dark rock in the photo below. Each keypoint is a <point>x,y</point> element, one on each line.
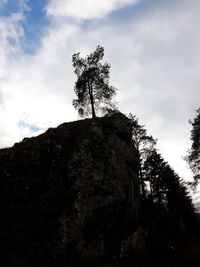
<point>135,244</point>
<point>69,194</point>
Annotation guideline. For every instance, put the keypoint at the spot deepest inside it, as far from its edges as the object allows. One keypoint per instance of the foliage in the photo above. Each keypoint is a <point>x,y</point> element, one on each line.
<point>94,94</point>
<point>141,140</point>
<point>143,143</point>
<point>166,189</point>
<point>193,157</point>
<point>169,191</point>
<point>153,173</point>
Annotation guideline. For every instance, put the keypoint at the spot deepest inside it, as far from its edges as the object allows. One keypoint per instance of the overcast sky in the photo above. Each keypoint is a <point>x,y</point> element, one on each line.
<point>153,47</point>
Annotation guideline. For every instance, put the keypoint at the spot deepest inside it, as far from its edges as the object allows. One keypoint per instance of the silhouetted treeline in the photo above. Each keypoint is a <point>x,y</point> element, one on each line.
<point>160,184</point>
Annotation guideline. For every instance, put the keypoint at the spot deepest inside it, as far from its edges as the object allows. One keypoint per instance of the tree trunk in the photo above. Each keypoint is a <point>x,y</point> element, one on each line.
<point>91,100</point>
<point>92,104</point>
<point>142,182</point>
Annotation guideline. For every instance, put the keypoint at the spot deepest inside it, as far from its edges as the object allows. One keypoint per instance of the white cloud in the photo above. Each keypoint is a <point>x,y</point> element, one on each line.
<point>37,89</point>
<point>87,9</point>
<point>11,32</point>
<point>34,88</point>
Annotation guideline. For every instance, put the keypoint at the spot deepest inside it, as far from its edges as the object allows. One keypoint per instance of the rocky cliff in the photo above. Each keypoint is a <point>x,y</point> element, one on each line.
<point>69,194</point>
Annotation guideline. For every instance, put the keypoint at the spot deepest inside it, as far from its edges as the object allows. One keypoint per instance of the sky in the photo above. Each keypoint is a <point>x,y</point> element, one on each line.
<point>153,47</point>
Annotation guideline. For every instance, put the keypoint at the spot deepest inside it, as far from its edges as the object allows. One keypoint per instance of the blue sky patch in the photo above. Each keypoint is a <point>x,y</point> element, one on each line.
<point>35,25</point>
<point>12,6</point>
<point>33,128</point>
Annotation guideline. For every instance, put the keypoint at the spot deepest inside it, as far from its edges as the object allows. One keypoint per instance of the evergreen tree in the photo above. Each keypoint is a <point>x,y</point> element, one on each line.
<point>92,86</point>
<point>169,191</point>
<point>154,166</point>
<point>193,157</point>
<point>143,143</point>
<point>179,201</point>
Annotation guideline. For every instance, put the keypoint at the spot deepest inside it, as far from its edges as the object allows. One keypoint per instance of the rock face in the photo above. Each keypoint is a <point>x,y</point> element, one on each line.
<point>70,193</point>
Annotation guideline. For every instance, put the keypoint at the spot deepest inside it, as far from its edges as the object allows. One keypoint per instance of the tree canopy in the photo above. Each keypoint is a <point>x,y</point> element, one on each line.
<point>94,94</point>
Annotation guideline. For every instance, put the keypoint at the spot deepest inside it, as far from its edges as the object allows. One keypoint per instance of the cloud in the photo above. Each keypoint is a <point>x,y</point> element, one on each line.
<point>11,32</point>
<point>87,9</point>
<point>32,86</point>
<point>11,35</point>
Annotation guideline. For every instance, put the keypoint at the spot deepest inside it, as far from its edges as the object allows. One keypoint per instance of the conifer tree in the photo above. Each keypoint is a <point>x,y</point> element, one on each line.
<point>92,87</point>
<point>153,173</point>
<point>169,191</point>
<point>143,143</point>
<point>193,157</point>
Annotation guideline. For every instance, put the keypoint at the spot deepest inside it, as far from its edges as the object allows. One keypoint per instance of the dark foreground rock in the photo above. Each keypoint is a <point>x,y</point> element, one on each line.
<point>69,195</point>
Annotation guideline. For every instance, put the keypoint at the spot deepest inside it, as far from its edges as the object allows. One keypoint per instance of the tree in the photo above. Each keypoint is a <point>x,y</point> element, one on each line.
<point>179,201</point>
<point>193,157</point>
<point>154,167</point>
<point>169,191</point>
<point>143,144</point>
<point>92,86</point>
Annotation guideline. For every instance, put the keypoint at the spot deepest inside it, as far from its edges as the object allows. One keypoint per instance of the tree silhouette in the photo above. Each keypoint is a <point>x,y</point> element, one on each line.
<point>170,192</point>
<point>179,201</point>
<point>153,173</point>
<point>143,143</point>
<point>92,86</point>
<point>193,157</point>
